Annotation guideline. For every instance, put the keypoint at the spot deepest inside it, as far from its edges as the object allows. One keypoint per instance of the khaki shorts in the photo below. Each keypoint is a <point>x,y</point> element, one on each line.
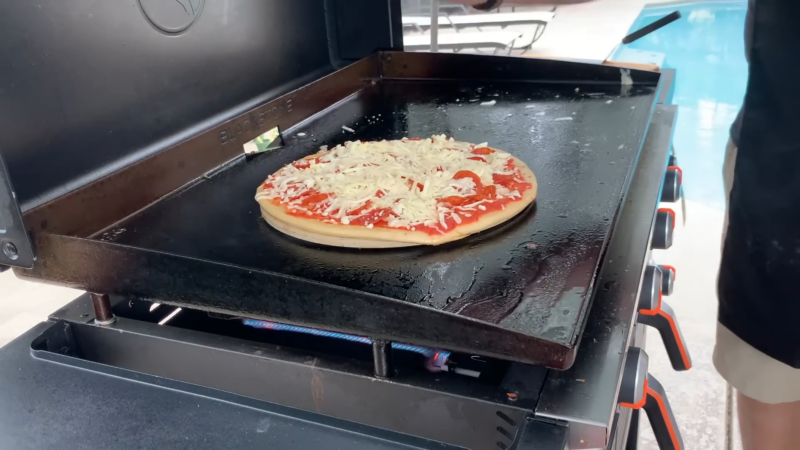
<point>748,370</point>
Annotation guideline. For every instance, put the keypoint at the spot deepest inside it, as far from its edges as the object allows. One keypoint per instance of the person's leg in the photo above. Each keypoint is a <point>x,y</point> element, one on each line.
<point>768,393</point>
<point>768,426</point>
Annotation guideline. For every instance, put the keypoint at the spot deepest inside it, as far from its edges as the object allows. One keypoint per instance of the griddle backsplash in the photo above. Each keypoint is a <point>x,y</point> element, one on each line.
<point>533,274</point>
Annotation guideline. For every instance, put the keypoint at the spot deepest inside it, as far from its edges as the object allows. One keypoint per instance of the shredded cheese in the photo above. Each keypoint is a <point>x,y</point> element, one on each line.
<point>408,178</point>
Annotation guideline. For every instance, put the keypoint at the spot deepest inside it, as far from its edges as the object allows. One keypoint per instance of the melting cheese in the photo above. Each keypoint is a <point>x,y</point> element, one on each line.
<point>409,177</point>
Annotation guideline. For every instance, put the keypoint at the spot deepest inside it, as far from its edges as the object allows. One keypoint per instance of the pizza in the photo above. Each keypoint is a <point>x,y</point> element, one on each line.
<point>396,193</point>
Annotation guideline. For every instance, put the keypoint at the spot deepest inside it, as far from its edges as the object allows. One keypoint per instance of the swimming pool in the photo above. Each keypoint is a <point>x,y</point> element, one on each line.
<point>706,46</point>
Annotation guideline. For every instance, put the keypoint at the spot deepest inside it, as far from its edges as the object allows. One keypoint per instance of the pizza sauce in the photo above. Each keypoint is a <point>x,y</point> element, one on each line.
<point>430,185</point>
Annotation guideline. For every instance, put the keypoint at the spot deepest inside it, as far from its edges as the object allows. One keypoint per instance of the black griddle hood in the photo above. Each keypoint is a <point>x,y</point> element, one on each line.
<point>181,226</point>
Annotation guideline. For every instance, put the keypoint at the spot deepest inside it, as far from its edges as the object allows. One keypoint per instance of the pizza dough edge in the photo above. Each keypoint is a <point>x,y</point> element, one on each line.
<point>334,241</point>
<point>313,230</point>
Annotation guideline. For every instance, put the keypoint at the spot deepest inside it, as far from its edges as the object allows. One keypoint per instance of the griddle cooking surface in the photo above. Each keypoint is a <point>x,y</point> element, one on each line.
<point>533,274</point>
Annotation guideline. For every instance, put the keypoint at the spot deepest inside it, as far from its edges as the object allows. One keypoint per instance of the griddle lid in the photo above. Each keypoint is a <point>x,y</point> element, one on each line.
<point>88,87</point>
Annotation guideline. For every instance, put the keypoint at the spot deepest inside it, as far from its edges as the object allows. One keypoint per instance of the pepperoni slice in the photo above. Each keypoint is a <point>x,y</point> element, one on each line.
<point>455,200</point>
<point>469,174</point>
<point>511,181</point>
<point>477,158</point>
<point>302,164</point>
<point>312,200</point>
<point>488,192</point>
<point>503,179</point>
<point>482,151</point>
<point>361,208</point>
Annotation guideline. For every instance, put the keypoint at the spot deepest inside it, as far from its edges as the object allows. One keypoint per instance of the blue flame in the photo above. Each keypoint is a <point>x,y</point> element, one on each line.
<point>434,362</point>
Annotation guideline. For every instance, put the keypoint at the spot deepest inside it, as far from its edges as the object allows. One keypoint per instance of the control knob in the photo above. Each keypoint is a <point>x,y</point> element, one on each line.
<point>672,188</point>
<point>650,295</point>
<point>641,391</point>
<point>663,229</point>
<point>668,274</point>
<point>658,314</point>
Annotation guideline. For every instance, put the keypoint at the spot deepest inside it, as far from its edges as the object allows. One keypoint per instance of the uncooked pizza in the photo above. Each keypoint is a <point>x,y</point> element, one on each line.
<point>396,193</point>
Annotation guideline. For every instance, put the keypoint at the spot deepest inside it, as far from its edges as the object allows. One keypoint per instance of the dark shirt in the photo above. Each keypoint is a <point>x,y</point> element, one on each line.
<point>748,42</point>
<point>759,274</point>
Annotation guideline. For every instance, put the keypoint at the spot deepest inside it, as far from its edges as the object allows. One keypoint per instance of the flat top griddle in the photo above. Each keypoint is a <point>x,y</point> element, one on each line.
<point>527,283</point>
<point>531,275</point>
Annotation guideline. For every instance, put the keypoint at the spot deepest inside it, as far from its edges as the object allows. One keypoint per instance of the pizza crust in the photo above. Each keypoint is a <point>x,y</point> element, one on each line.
<point>339,235</point>
<point>334,241</point>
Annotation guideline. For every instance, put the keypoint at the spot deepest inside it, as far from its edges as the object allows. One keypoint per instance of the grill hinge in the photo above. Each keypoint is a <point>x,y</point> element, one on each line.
<point>15,246</point>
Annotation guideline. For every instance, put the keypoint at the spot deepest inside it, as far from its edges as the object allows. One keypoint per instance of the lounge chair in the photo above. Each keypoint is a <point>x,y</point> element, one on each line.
<point>459,41</point>
<point>478,20</point>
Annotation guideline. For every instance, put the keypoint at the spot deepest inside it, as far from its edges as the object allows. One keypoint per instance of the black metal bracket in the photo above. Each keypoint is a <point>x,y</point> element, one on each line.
<point>15,247</point>
<point>476,415</point>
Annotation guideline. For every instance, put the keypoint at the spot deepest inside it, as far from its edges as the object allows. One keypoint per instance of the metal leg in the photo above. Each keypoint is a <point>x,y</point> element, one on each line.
<point>632,442</point>
<point>451,23</point>
<point>103,315</point>
<point>382,358</point>
<point>434,26</point>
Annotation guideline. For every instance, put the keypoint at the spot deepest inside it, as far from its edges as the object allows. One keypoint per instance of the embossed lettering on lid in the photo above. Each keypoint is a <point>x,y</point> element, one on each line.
<point>172,16</point>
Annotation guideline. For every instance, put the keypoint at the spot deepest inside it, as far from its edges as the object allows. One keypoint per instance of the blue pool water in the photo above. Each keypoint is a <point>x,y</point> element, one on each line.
<point>706,46</point>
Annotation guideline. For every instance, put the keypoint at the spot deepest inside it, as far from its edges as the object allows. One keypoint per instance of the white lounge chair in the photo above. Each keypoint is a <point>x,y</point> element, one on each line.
<point>459,41</point>
<point>477,20</point>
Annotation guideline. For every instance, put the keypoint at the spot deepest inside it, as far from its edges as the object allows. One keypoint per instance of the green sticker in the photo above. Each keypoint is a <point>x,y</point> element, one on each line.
<point>265,142</point>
